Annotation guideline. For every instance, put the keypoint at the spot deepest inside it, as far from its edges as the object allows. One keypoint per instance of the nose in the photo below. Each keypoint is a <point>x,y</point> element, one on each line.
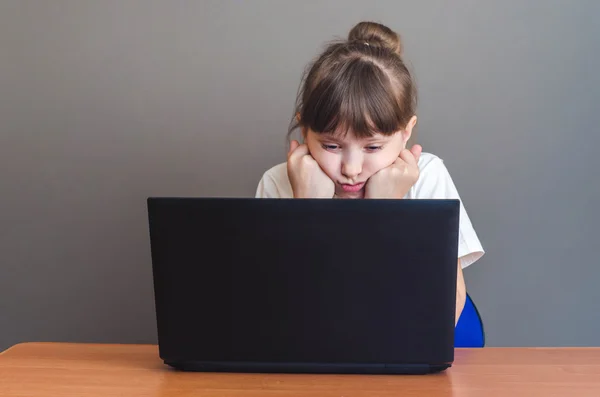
<point>352,166</point>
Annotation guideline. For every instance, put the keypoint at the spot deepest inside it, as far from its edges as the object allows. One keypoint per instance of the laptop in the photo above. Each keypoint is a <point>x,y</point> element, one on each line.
<point>304,285</point>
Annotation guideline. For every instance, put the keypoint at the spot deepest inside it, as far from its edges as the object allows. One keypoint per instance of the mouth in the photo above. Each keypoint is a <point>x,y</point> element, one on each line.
<point>353,188</point>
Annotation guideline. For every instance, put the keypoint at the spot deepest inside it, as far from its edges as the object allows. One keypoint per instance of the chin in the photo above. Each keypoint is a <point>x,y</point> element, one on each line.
<point>351,195</point>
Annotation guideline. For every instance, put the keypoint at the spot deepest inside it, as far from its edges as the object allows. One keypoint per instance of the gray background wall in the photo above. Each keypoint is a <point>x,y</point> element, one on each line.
<point>103,103</point>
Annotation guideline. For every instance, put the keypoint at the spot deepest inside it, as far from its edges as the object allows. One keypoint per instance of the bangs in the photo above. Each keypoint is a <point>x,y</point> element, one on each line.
<point>358,97</point>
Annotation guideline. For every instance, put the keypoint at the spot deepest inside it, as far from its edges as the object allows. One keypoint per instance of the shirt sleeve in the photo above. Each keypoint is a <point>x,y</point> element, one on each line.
<point>267,187</point>
<point>435,182</point>
<point>275,183</point>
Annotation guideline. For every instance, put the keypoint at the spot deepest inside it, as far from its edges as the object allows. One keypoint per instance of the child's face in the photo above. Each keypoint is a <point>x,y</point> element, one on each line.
<point>349,161</point>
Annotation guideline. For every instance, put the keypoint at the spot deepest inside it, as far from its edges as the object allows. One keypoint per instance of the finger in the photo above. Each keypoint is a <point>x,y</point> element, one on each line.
<point>293,145</point>
<point>416,152</point>
<point>299,151</point>
<point>408,157</point>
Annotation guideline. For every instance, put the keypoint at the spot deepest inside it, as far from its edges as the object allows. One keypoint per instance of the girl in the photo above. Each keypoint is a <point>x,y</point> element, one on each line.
<point>356,111</point>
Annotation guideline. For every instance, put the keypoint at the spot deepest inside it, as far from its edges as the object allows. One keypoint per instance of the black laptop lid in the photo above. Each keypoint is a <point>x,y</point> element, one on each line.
<point>317,281</point>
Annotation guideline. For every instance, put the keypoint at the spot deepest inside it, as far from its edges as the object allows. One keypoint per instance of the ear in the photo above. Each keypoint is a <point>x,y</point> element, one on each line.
<point>407,132</point>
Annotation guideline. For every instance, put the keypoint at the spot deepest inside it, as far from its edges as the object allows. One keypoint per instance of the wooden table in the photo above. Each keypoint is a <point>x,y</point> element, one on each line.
<point>85,370</point>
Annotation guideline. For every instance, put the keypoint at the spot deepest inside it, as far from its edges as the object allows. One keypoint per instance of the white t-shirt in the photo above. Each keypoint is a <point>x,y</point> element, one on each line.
<point>434,183</point>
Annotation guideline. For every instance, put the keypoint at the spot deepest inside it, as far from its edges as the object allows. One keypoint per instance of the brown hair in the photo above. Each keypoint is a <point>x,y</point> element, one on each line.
<point>360,84</point>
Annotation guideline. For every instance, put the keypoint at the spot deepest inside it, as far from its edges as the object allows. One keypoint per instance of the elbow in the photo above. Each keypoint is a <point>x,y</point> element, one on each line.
<point>461,294</point>
<point>461,299</point>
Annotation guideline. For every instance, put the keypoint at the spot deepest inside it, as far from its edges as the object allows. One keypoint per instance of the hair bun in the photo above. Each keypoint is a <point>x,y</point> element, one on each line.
<point>376,34</point>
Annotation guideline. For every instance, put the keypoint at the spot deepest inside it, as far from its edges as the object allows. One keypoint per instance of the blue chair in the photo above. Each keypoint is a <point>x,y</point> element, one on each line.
<point>469,330</point>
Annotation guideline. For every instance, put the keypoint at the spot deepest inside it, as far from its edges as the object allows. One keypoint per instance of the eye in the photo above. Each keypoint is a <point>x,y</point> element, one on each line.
<point>330,147</point>
<point>374,148</point>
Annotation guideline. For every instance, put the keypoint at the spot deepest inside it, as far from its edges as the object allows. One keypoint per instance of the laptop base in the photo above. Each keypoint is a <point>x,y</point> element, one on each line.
<point>308,368</point>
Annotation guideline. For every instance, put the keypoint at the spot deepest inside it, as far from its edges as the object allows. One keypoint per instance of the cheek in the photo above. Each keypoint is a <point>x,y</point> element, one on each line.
<point>378,161</point>
<point>329,162</point>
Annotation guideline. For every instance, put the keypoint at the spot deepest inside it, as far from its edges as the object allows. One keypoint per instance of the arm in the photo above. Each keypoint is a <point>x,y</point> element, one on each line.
<point>461,292</point>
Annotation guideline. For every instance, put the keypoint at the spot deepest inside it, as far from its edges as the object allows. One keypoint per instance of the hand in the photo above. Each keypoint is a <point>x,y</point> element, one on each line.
<point>394,181</point>
<point>306,176</point>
